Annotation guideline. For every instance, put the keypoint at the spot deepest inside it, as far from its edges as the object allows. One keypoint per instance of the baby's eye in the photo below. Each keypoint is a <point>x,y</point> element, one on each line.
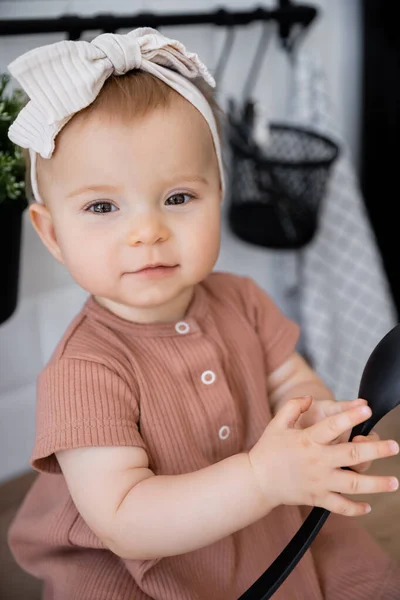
<point>101,207</point>
<point>178,199</point>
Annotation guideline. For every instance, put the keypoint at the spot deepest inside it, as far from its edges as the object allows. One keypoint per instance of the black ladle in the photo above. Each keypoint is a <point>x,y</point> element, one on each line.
<point>380,386</point>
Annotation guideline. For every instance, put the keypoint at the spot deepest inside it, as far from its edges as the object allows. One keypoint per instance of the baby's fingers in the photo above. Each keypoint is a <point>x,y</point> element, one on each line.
<point>356,453</point>
<point>349,482</point>
<point>336,503</point>
<point>361,439</point>
<point>327,430</point>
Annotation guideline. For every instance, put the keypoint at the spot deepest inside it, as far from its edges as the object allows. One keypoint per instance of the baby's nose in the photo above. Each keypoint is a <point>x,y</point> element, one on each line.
<point>147,229</point>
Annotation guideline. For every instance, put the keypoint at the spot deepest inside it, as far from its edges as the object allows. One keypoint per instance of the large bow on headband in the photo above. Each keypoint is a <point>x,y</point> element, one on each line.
<point>63,78</point>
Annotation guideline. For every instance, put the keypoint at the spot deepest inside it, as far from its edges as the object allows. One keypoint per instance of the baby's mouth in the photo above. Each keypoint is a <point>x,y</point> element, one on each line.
<point>155,266</point>
<point>156,269</point>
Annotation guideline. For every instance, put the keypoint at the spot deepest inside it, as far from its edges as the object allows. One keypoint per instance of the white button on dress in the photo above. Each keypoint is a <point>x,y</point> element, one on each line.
<point>208,377</point>
<point>224,432</point>
<point>182,327</point>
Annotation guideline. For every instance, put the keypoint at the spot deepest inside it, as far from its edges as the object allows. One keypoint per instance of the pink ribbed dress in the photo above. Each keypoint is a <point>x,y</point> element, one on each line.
<point>190,393</point>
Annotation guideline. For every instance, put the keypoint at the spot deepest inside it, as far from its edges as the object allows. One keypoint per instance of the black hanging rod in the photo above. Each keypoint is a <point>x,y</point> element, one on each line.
<point>286,16</point>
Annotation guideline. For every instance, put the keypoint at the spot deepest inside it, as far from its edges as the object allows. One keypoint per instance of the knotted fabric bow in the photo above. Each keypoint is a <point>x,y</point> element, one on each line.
<point>63,78</point>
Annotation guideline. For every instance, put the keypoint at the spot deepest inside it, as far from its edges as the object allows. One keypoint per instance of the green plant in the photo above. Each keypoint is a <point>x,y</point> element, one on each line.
<point>12,165</point>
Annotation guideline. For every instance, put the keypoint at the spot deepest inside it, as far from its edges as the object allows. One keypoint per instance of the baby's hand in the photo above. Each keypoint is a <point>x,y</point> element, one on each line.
<point>302,466</point>
<point>320,409</point>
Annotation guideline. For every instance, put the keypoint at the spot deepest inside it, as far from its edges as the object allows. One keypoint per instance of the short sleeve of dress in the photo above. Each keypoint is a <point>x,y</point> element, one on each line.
<point>82,403</point>
<point>278,334</point>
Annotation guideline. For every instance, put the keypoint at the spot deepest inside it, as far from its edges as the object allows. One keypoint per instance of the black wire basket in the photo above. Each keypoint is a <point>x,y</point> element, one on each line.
<point>276,192</point>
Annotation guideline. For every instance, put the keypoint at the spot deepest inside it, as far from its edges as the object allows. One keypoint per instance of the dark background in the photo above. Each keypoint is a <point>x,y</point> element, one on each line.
<point>380,169</point>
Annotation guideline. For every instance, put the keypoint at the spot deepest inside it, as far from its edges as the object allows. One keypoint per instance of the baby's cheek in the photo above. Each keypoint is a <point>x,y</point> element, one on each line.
<point>86,261</point>
<point>204,242</point>
<point>203,255</point>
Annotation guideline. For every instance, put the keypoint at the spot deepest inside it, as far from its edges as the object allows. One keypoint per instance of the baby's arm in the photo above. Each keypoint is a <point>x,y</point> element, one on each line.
<point>293,379</point>
<point>139,515</point>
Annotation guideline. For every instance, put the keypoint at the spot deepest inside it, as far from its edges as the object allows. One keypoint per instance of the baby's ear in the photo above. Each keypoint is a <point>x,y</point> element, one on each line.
<point>42,221</point>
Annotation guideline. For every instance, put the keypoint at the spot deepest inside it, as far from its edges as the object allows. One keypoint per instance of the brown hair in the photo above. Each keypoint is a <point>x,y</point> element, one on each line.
<point>137,92</point>
<point>130,95</point>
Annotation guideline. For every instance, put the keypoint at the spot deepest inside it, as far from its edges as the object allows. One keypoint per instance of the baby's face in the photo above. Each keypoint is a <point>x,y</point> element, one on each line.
<point>125,195</point>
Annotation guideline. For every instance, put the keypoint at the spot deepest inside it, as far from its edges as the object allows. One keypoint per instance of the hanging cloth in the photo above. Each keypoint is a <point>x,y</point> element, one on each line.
<point>335,287</point>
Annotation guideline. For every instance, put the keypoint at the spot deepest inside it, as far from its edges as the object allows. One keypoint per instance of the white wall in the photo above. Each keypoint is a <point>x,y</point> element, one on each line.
<point>48,297</point>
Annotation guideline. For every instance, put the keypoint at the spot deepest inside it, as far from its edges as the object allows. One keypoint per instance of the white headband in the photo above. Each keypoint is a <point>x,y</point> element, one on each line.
<point>63,78</point>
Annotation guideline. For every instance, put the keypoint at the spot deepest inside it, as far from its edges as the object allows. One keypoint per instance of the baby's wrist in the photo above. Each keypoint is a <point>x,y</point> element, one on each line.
<point>263,482</point>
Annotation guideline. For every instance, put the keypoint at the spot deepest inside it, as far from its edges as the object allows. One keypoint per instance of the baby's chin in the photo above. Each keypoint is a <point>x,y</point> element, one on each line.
<point>149,303</point>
